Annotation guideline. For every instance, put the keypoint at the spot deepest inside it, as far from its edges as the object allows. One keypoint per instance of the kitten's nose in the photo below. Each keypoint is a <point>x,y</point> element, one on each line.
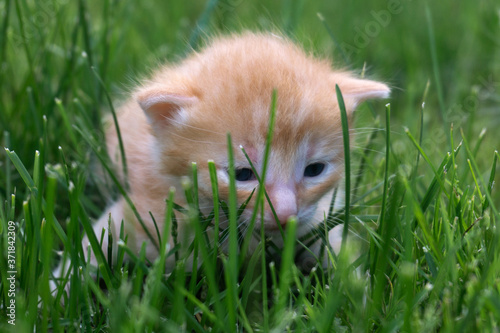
<point>284,200</point>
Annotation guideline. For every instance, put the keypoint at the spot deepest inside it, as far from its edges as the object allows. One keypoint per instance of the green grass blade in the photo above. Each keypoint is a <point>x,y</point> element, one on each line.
<point>437,174</point>
<point>382,216</point>
<point>67,123</point>
<point>231,271</point>
<point>117,128</point>
<point>347,162</point>
<point>286,277</point>
<point>8,176</point>
<point>261,193</point>
<point>23,172</point>
<point>491,181</point>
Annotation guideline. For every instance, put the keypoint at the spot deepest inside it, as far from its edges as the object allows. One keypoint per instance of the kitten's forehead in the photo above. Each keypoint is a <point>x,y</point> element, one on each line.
<point>237,77</point>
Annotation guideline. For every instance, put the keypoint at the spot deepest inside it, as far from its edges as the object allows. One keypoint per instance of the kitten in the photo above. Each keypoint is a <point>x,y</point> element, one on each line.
<point>183,112</point>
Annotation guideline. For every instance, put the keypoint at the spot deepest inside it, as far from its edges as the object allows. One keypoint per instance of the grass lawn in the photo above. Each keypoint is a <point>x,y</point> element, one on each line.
<point>422,179</point>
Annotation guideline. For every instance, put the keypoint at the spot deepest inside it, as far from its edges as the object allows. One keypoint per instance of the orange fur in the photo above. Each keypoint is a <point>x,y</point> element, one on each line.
<point>188,108</point>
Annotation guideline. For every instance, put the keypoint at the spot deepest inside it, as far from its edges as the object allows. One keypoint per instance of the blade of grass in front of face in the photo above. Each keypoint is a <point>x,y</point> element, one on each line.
<point>253,219</point>
<point>347,162</point>
<point>261,179</point>
<point>231,267</point>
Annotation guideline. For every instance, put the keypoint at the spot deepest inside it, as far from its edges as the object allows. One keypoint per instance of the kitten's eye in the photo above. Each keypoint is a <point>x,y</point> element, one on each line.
<point>314,169</point>
<point>244,174</point>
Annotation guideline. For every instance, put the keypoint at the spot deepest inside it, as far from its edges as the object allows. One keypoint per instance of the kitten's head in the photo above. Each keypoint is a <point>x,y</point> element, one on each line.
<point>227,87</point>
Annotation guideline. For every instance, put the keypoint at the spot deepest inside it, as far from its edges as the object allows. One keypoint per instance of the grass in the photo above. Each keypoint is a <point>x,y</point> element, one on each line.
<point>422,175</point>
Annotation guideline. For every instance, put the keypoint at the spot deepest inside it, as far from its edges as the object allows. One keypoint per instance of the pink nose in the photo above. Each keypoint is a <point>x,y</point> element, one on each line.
<point>284,215</point>
<point>284,201</point>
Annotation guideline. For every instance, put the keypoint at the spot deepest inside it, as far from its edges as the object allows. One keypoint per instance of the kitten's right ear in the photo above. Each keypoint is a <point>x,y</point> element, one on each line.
<point>355,91</point>
<point>162,106</point>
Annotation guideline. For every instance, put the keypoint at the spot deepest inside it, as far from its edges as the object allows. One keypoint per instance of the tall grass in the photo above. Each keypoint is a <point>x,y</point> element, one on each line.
<point>424,202</point>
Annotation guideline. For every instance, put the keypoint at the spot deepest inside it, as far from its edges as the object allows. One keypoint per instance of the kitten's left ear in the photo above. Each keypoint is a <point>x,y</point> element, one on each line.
<point>163,106</point>
<point>356,91</point>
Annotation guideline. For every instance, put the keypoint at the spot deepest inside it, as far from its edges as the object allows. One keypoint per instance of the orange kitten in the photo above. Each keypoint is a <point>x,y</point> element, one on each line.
<point>183,112</point>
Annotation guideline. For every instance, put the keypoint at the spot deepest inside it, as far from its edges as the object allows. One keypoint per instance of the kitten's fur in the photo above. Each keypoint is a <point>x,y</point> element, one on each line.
<point>183,112</point>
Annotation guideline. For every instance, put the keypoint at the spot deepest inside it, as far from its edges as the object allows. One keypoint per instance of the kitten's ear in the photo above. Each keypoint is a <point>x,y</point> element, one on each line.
<point>163,106</point>
<point>356,91</point>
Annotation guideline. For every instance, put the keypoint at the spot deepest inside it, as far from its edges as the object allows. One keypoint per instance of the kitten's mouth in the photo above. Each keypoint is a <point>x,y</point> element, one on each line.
<point>274,227</point>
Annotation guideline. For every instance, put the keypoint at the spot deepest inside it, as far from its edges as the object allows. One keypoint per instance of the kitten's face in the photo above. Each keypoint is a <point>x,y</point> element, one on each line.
<point>306,157</point>
<point>228,88</point>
